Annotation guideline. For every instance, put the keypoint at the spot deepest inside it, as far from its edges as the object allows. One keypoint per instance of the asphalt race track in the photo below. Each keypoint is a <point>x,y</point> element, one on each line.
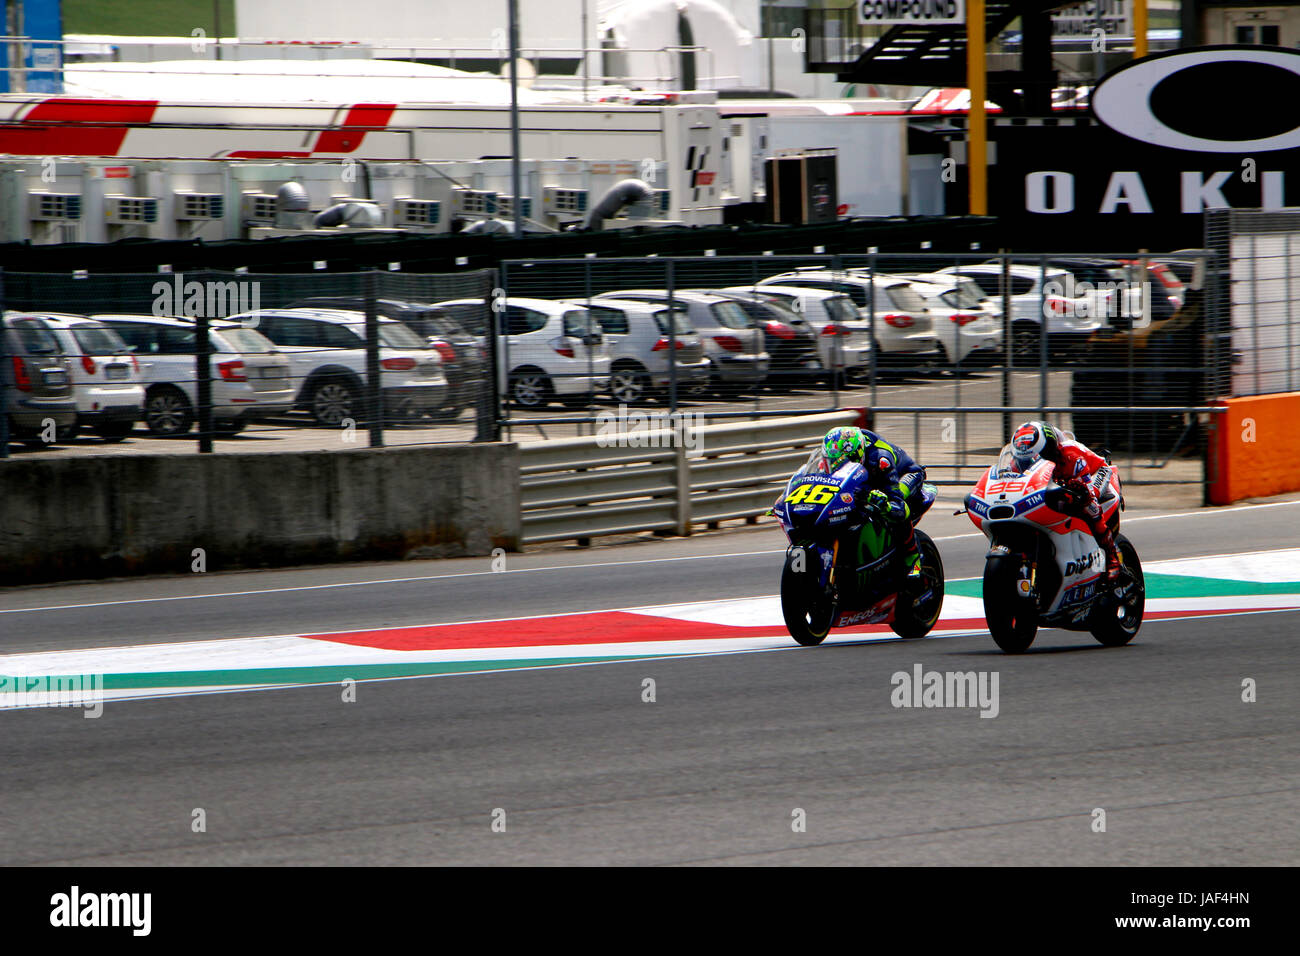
<point>575,767</point>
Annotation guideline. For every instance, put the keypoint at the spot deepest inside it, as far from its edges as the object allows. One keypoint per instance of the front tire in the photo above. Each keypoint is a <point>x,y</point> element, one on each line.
<point>912,621</point>
<point>1012,621</point>
<point>332,400</point>
<point>807,611</point>
<point>1115,626</point>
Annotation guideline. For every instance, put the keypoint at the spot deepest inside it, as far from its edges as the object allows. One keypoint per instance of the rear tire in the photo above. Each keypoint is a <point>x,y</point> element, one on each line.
<point>629,384</point>
<point>1026,343</point>
<point>807,613</point>
<point>913,622</point>
<point>167,412</point>
<point>530,388</point>
<point>1117,625</point>
<point>1012,621</point>
<point>226,427</point>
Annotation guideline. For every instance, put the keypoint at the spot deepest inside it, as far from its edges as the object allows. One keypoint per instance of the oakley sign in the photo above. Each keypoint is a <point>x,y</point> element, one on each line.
<point>1216,99</point>
<point>912,11</point>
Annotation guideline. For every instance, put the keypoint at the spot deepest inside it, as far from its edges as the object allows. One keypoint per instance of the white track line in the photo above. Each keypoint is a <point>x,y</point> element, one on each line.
<point>558,567</point>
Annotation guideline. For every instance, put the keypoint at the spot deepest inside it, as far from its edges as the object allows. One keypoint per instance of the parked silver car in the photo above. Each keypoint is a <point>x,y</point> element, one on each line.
<point>106,380</point>
<point>733,341</point>
<point>38,381</point>
<point>250,379</point>
<point>637,335</point>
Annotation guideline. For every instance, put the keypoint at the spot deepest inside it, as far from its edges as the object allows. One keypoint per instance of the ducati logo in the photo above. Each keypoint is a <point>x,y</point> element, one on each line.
<point>1179,99</point>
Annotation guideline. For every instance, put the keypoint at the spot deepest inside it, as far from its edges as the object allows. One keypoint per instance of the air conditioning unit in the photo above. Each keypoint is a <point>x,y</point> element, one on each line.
<point>54,207</point>
<point>656,207</point>
<point>417,212</point>
<point>200,207</point>
<point>506,207</point>
<point>473,202</point>
<point>130,210</point>
<point>258,207</point>
<point>559,201</point>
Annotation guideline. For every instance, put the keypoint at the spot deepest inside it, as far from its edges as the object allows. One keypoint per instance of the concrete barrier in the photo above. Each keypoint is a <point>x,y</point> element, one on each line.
<point>106,516</point>
<point>1256,448</point>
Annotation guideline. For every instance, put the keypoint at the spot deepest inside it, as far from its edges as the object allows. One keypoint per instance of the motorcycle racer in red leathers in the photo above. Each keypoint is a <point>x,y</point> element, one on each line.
<point>1074,464</point>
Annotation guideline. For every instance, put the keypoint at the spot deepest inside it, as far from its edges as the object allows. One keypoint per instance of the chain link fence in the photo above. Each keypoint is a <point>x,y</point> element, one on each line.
<point>279,360</point>
<point>1258,296</point>
<point>947,352</point>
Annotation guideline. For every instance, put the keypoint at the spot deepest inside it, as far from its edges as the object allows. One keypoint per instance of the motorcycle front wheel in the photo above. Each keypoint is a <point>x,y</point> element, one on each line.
<point>1012,621</point>
<point>808,611</point>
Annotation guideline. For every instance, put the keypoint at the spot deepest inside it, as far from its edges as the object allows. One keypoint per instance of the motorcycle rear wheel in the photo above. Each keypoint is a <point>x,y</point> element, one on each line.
<point>911,621</point>
<point>1012,622</point>
<point>807,612</point>
<point>1116,626</point>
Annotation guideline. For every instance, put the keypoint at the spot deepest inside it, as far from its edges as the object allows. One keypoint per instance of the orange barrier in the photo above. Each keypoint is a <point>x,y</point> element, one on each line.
<point>1256,447</point>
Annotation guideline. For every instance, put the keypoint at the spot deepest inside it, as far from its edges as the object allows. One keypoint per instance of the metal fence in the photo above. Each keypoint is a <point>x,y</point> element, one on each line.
<point>215,356</point>
<point>1262,254</point>
<point>948,352</point>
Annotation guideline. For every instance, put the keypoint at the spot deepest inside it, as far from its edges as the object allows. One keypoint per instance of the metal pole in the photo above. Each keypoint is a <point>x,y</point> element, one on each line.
<point>1042,338</point>
<point>515,182</point>
<point>374,390</point>
<point>671,279</point>
<point>493,347</point>
<point>5,374</point>
<point>1139,29</point>
<point>871,305</point>
<point>977,130</point>
<point>203,379</point>
<point>216,25</point>
<point>1008,356</point>
<point>586,63</point>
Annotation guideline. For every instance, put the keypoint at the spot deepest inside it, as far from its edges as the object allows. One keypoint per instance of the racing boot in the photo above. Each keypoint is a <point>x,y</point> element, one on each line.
<point>913,579</point>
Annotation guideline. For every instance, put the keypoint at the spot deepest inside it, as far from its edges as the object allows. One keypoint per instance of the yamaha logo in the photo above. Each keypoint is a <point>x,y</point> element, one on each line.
<point>1170,99</point>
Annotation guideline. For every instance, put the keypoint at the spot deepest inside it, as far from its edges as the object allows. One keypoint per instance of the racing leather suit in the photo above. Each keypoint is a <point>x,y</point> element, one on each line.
<point>1075,464</point>
<point>893,471</point>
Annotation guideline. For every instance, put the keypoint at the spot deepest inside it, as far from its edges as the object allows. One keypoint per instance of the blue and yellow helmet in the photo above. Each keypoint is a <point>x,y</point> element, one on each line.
<point>844,444</point>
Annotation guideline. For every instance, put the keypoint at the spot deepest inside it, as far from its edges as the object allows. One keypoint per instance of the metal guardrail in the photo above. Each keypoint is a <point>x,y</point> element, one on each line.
<point>655,480</point>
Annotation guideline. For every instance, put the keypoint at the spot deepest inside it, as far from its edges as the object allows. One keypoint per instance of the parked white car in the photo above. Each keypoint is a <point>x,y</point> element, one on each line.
<point>1068,325</point>
<point>106,380</point>
<point>965,321</point>
<point>550,350</point>
<point>843,335</point>
<point>637,338</point>
<point>733,342</point>
<point>326,349</point>
<point>250,379</point>
<point>904,328</point>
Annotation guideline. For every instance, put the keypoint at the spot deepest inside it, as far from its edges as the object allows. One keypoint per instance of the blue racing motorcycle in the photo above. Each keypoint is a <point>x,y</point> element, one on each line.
<point>844,569</point>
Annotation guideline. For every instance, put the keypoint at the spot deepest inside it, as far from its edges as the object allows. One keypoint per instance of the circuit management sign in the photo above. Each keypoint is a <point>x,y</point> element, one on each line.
<point>911,11</point>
